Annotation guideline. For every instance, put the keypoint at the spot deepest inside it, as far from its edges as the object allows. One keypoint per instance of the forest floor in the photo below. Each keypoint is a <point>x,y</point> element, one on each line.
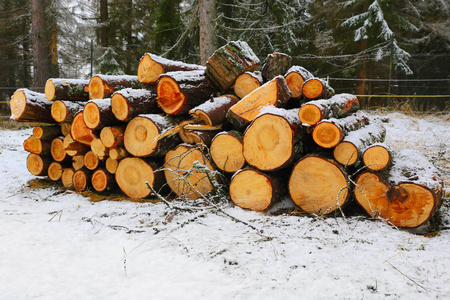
<point>57,244</point>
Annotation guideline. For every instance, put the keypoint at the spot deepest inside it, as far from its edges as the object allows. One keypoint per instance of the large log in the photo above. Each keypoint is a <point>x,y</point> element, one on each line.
<point>64,111</point>
<point>276,64</point>
<point>133,173</point>
<point>338,106</point>
<point>129,103</point>
<point>37,146</point>
<point>31,106</point>
<point>407,196</point>
<point>377,157</point>
<point>316,88</point>
<point>46,133</point>
<point>102,180</point>
<point>80,132</point>
<point>214,111</point>
<point>103,86</point>
<point>247,82</point>
<point>274,140</point>
<point>145,135</point>
<point>227,151</point>
<point>319,185</point>
<point>188,172</point>
<point>98,113</point>
<point>295,78</point>
<point>179,92</point>
<point>230,61</point>
<point>67,89</point>
<point>255,190</point>
<point>274,92</point>
<point>330,132</point>
<point>151,66</point>
<point>38,165</point>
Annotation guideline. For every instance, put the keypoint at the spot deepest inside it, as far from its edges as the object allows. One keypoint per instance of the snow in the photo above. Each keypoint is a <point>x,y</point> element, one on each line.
<point>135,93</point>
<point>57,244</point>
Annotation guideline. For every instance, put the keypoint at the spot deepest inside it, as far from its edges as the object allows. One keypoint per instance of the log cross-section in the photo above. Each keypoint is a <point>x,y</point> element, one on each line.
<point>129,103</point>
<point>103,86</point>
<point>227,151</point>
<point>31,106</point>
<point>295,77</point>
<point>67,89</point>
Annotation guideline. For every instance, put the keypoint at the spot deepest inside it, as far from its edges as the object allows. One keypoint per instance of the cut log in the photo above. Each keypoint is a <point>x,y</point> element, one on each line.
<point>129,103</point>
<point>350,150</point>
<point>57,150</point>
<point>91,161</point>
<point>82,179</point>
<point>67,178</point>
<point>273,93</point>
<point>274,140</point>
<point>67,89</point>
<point>214,111</point>
<point>188,172</point>
<point>65,128</point>
<point>55,170</point>
<point>103,86</point>
<point>227,151</point>
<point>151,66</point>
<point>247,83</point>
<point>38,165</point>
<point>103,181</point>
<point>73,148</point>
<point>144,135</point>
<point>197,137</point>
<point>118,153</point>
<point>36,146</point>
<point>255,190</point>
<point>276,64</point>
<point>316,88</point>
<point>99,149</point>
<point>295,78</point>
<point>230,61</point>
<point>47,133</point>
<point>64,111</point>
<point>330,132</point>
<point>112,136</point>
<point>319,185</point>
<point>408,196</point>
<point>111,165</point>
<point>98,114</point>
<point>80,132</point>
<point>179,92</point>
<point>338,106</point>
<point>132,176</point>
<point>30,106</point>
<point>377,157</point>
<point>77,162</point>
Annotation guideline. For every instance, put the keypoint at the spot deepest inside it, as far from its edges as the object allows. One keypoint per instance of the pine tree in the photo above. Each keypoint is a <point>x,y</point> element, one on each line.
<point>107,63</point>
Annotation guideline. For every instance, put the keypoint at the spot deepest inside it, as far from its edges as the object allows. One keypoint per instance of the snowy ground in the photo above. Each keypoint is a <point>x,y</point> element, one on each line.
<point>56,244</point>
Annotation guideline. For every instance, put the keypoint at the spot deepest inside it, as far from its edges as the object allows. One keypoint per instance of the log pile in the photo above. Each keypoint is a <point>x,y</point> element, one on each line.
<point>272,130</point>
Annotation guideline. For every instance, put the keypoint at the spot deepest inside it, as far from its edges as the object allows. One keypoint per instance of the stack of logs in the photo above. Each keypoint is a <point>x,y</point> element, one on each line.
<point>272,130</point>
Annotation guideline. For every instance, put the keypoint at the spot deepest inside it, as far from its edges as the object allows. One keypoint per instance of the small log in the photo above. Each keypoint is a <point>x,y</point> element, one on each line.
<point>67,178</point>
<point>151,66</point>
<point>407,196</point>
<point>77,162</point>
<point>111,165</point>
<point>330,132</point>
<point>55,170</point>
<point>230,61</point>
<point>37,146</point>
<point>64,111</point>
<point>316,88</point>
<point>129,103</point>
<point>319,185</point>
<point>103,86</point>
<point>99,149</point>
<point>247,82</point>
<point>98,114</point>
<point>80,132</point>
<point>132,176</point>
<point>118,153</point>
<point>30,106</point>
<point>227,151</point>
<point>276,64</point>
<point>91,161</point>
<point>65,128</point>
<point>57,150</point>
<point>47,133</point>
<point>350,150</point>
<point>144,135</point>
<point>255,190</point>
<point>38,165</point>
<point>378,157</point>
<point>178,92</point>
<point>338,106</point>
<point>102,181</point>
<point>295,78</point>
<point>197,136</point>
<point>82,179</point>
<point>73,148</point>
<point>183,176</point>
<point>273,93</point>
<point>112,136</point>
<point>67,89</point>
<point>214,111</point>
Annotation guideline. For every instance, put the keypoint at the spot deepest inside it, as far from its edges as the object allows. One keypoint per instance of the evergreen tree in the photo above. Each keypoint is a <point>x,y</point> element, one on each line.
<point>107,63</point>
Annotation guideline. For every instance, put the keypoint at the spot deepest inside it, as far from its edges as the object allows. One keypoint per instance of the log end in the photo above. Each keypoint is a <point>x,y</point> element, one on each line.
<point>149,70</point>
<point>245,84</point>
<point>91,115</point>
<point>18,104</point>
<point>120,107</point>
<point>251,189</point>
<point>80,132</point>
<point>50,90</point>
<point>37,165</point>
<point>376,158</point>
<point>67,177</point>
<point>57,149</point>
<point>295,83</point>
<point>91,160</point>
<point>170,98</point>
<point>327,135</point>
<point>346,154</point>
<point>132,175</point>
<point>313,88</point>
<point>101,180</point>
<point>227,152</point>
<point>140,137</point>
<point>59,111</point>
<point>310,114</point>
<point>80,180</point>
<point>55,171</point>
<point>96,88</point>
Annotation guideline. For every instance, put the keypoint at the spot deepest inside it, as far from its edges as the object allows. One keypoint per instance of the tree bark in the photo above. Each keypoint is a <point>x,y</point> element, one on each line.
<point>276,64</point>
<point>41,69</point>
<point>206,9</point>
<point>129,103</point>
<point>67,89</point>
<point>214,111</point>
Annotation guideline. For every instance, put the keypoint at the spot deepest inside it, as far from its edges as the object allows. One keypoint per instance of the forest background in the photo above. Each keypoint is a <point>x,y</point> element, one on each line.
<point>364,47</point>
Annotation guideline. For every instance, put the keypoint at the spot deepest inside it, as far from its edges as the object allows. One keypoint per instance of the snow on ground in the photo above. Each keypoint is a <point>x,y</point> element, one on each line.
<point>56,244</point>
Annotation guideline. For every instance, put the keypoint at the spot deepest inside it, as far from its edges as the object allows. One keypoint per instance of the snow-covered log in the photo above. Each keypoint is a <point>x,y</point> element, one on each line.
<point>316,88</point>
<point>27,105</point>
<point>80,132</point>
<point>98,113</point>
<point>247,83</point>
<point>64,111</point>
<point>103,86</point>
<point>213,112</point>
<point>67,89</point>
<point>378,157</point>
<point>276,64</point>
<point>129,103</point>
<point>295,78</point>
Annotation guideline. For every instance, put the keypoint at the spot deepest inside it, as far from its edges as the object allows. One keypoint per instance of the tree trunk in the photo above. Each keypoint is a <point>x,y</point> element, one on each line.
<point>80,132</point>
<point>67,89</point>
<point>378,157</point>
<point>47,133</point>
<point>64,111</point>
<point>319,185</point>
<point>129,103</point>
<point>338,106</point>
<point>31,106</point>
<point>230,61</point>
<point>276,64</point>
<point>227,151</point>
<point>214,111</point>
<point>38,165</point>
<point>112,136</point>
<point>104,24</point>
<point>103,181</point>
<point>274,92</point>
<point>178,92</point>
<point>103,86</point>
<point>206,9</point>
<point>255,190</point>
<point>41,69</point>
<point>247,83</point>
<point>36,146</point>
<point>295,78</point>
<point>316,88</point>
<point>98,114</point>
